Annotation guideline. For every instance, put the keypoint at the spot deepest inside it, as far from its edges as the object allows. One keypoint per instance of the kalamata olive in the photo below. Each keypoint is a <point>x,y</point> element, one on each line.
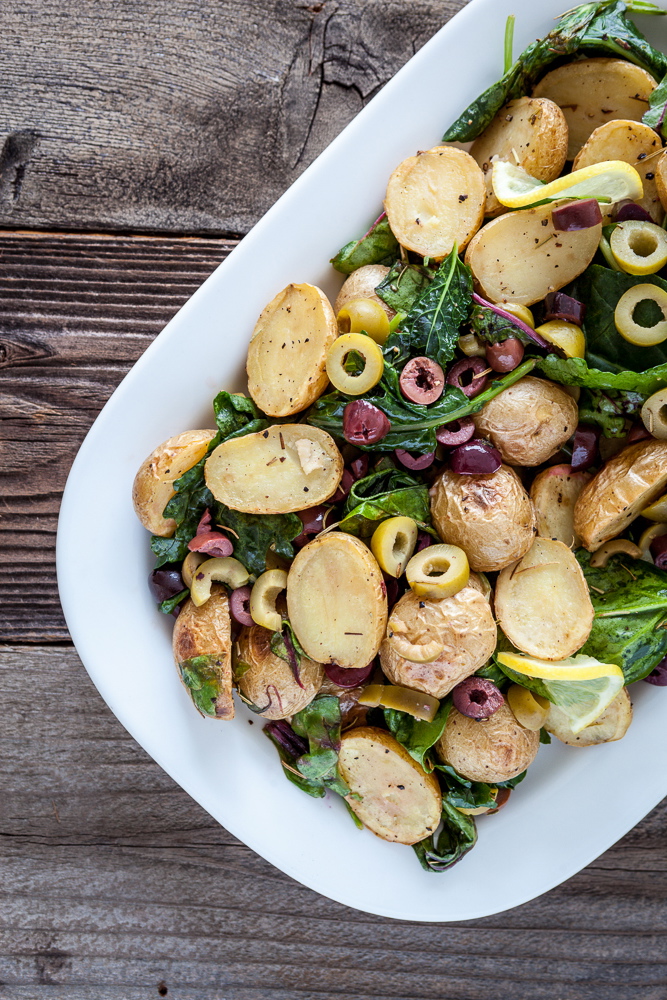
<point>505,356</point>
<point>364,423</point>
<point>239,606</point>
<point>475,458</point>
<point>348,677</point>
<point>585,447</point>
<point>165,583</point>
<point>458,432</point>
<point>638,433</point>
<point>344,487</point>
<point>658,675</point>
<point>467,376</point>
<point>658,549</point>
<point>423,541</point>
<point>501,799</point>
<point>414,462</point>
<point>577,215</point>
<point>211,543</point>
<point>313,521</point>
<point>359,467</point>
<point>391,589</point>
<point>422,381</point>
<point>628,210</point>
<point>204,523</point>
<point>477,697</point>
<point>558,305</point>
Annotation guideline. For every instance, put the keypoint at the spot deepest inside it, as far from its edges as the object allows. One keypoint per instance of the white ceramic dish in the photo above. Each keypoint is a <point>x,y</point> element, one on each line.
<point>574,803</point>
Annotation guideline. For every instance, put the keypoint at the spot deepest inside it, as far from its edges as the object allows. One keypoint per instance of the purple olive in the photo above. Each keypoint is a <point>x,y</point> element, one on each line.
<point>467,376</point>
<point>477,697</point>
<point>344,487</point>
<point>211,543</point>
<point>577,215</point>
<point>627,210</point>
<point>658,548</point>
<point>423,540</point>
<point>422,381</point>
<point>165,583</point>
<point>585,447</point>
<point>364,423</point>
<point>414,462</point>
<point>239,606</point>
<point>313,522</point>
<point>558,305</point>
<point>359,467</point>
<point>475,458</point>
<point>658,675</point>
<point>638,433</point>
<point>501,798</point>
<point>457,432</point>
<point>391,589</point>
<point>348,677</point>
<point>505,356</point>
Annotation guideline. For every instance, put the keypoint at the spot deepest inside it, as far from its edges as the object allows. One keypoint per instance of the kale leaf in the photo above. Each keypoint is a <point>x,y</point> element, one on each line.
<point>416,735</point>
<point>378,246</point>
<point>385,494</point>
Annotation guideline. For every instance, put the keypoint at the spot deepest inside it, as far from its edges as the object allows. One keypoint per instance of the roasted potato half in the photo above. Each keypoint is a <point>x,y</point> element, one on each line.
<point>493,749</point>
<point>531,132</point>
<point>528,422</point>
<point>361,284</point>
<point>436,199</point>
<point>202,644</point>
<point>520,257</point>
<point>554,493</point>
<point>611,725</point>
<point>153,485</point>
<point>661,178</point>
<point>490,517</point>
<point>463,629</point>
<point>592,92</point>
<point>337,601</point>
<point>629,481</point>
<point>288,349</point>
<point>542,602</point>
<point>267,681</point>
<point>285,468</point>
<point>390,792</point>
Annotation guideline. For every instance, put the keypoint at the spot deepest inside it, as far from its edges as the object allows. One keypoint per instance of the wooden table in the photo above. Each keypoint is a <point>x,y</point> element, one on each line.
<point>140,141</point>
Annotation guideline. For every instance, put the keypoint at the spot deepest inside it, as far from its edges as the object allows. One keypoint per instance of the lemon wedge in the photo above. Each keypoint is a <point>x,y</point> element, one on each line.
<point>609,181</point>
<point>580,685</point>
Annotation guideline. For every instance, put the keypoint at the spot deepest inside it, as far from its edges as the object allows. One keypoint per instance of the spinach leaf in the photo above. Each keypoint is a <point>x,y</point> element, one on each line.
<point>457,836</point>
<point>417,736</point>
<point>657,104</point>
<point>624,585</point>
<point>385,494</point>
<point>256,532</point>
<point>291,748</point>
<point>378,246</point>
<point>402,285</point>
<point>166,607</point>
<point>612,411</point>
<point>575,371</point>
<point>463,793</point>
<point>431,328</point>
<point>493,673</point>
<point>206,681</point>
<point>236,415</point>
<point>319,723</point>
<point>493,328</point>
<point>599,28</point>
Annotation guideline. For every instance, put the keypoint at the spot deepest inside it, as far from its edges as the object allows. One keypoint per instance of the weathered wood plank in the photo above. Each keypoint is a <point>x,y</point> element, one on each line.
<point>75,314</point>
<point>182,117</point>
<point>113,884</point>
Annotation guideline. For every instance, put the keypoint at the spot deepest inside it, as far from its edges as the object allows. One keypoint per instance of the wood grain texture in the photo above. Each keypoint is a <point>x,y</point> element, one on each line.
<point>114,885</point>
<point>75,314</point>
<point>179,117</point>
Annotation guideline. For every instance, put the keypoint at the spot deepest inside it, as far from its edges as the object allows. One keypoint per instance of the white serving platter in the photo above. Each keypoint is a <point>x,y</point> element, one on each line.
<point>575,803</point>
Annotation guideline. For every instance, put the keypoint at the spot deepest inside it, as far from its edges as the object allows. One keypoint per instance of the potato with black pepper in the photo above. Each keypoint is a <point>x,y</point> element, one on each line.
<point>610,726</point>
<point>489,750</point>
<point>153,485</point>
<point>529,422</point>
<point>361,284</point>
<point>202,644</point>
<point>267,681</point>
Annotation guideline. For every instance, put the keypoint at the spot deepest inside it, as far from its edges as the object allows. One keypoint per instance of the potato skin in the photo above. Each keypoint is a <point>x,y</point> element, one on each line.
<point>661,178</point>
<point>206,632</point>
<point>269,680</point>
<point>361,284</point>
<point>554,493</point>
<point>490,517</point>
<point>494,749</point>
<point>463,624</point>
<point>629,481</point>
<point>399,801</point>
<point>153,484</point>
<point>528,422</point>
<point>610,726</point>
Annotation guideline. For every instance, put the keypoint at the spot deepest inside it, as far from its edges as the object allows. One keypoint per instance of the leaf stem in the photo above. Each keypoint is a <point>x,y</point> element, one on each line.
<point>509,43</point>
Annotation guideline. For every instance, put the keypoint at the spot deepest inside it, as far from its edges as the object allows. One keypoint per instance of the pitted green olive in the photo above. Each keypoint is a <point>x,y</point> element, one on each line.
<point>393,543</point>
<point>364,316</point>
<point>337,355</point>
<point>639,247</point>
<point>438,571</point>
<point>654,414</point>
<point>225,570</point>
<point>642,336</point>
<point>264,596</point>
<point>600,558</point>
<point>190,564</point>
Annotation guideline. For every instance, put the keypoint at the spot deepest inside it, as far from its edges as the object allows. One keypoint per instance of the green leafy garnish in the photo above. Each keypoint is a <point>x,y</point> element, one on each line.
<point>457,836</point>
<point>206,680</point>
<point>255,533</point>
<point>319,723</point>
<point>416,735</point>
<point>402,285</point>
<point>385,494</point>
<point>378,246</point>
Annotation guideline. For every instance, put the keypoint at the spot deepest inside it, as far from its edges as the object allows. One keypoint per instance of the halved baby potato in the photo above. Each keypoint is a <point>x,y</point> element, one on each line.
<point>633,142</point>
<point>336,600</point>
<point>285,468</point>
<point>494,749</point>
<point>611,725</point>
<point>436,199</point>
<point>202,644</point>
<point>660,167</point>
<point>287,352</point>
<point>361,284</point>
<point>628,483</point>
<point>153,485</point>
<point>530,132</point>
<point>267,681</point>
<point>520,257</point>
<point>554,493</point>
<point>390,792</point>
<point>592,92</point>
<point>542,602</point>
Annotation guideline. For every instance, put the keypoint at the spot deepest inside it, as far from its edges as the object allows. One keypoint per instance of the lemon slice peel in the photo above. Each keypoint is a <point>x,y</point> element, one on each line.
<point>609,182</point>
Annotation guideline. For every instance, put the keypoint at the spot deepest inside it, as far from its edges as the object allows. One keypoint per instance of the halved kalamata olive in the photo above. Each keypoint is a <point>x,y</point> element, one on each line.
<point>344,487</point>
<point>505,356</point>
<point>414,462</point>
<point>638,433</point>
<point>211,543</point>
<point>628,210</point>
<point>423,541</point>
<point>348,677</point>
<point>475,458</point>
<point>359,467</point>
<point>391,590</point>
<point>585,447</point>
<point>558,305</point>
<point>576,215</point>
<point>364,423</point>
<point>239,606</point>
<point>658,675</point>
<point>422,381</point>
<point>467,376</point>
<point>501,798</point>
<point>458,432</point>
<point>165,583</point>
<point>658,549</point>
<point>204,523</point>
<point>477,697</point>
<point>313,521</point>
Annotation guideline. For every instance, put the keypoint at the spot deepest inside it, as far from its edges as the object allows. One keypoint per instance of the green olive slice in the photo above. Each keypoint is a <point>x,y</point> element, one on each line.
<point>642,336</point>
<point>438,571</point>
<point>393,543</point>
<point>639,247</point>
<point>263,597</point>
<point>654,414</point>
<point>225,569</point>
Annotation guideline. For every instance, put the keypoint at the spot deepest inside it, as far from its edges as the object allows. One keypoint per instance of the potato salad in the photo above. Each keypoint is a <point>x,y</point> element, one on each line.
<point>432,536</point>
